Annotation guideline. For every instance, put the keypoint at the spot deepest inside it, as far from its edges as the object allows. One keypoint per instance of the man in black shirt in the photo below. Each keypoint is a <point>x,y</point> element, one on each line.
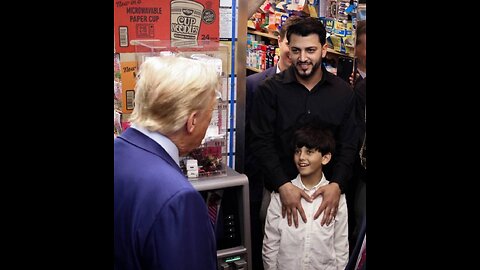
<point>303,91</point>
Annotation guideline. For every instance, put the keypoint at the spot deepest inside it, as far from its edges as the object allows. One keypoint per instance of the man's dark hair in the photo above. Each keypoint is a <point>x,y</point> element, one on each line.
<point>307,26</point>
<point>290,21</point>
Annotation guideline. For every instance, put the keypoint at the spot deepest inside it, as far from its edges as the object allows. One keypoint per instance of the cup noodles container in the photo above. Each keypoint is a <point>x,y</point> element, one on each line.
<point>185,19</point>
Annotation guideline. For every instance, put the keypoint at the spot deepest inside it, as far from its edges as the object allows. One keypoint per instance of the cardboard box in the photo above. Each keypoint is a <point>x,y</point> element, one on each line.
<point>181,20</point>
<point>128,74</point>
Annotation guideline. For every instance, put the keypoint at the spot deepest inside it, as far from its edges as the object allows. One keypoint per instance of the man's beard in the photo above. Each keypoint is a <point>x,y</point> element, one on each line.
<point>304,75</point>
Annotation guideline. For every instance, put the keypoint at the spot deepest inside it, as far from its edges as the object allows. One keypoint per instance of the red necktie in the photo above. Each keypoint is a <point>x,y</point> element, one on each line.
<point>363,257</point>
<point>212,208</point>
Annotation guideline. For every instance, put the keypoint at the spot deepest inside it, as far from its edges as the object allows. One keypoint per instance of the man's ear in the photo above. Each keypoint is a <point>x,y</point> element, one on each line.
<point>191,121</point>
<point>324,49</point>
<point>326,158</point>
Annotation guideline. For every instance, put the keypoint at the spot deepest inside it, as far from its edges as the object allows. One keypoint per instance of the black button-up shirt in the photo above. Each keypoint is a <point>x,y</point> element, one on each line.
<point>281,104</point>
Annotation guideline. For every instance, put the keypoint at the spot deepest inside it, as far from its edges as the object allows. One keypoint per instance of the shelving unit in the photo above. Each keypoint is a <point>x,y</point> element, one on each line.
<point>332,51</point>
<point>259,33</point>
<point>332,57</point>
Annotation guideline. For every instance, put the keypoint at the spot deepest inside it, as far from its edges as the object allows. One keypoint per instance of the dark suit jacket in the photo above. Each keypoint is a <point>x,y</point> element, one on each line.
<point>252,170</point>
<point>252,83</point>
<point>359,172</point>
<point>360,91</point>
<point>160,220</point>
<point>358,245</point>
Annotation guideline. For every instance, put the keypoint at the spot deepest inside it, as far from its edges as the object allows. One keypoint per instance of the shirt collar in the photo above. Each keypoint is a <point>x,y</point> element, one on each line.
<point>363,74</point>
<point>163,141</point>
<point>323,181</point>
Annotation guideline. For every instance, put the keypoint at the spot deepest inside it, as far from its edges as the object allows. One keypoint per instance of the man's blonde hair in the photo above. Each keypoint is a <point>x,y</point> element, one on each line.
<point>169,88</point>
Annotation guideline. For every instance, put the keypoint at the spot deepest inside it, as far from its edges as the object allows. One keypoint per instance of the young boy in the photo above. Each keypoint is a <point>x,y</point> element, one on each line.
<point>310,246</point>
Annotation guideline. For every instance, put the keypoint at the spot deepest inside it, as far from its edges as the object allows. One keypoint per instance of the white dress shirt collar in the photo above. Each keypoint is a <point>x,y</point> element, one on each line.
<point>363,74</point>
<point>163,141</point>
<point>298,182</point>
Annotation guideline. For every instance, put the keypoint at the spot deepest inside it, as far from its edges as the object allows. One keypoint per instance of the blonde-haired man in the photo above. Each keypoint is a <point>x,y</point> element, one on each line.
<point>160,220</point>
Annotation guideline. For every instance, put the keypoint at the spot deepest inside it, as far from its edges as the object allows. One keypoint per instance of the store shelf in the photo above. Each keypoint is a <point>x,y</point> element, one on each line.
<point>339,53</point>
<point>261,34</point>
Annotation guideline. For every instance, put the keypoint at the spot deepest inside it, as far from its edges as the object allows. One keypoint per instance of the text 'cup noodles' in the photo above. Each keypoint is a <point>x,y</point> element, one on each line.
<point>186,17</point>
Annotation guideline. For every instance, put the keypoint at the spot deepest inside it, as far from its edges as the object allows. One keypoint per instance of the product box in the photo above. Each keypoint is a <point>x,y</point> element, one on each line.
<point>184,21</point>
<point>341,44</point>
<point>343,29</point>
<point>128,74</point>
<point>329,24</point>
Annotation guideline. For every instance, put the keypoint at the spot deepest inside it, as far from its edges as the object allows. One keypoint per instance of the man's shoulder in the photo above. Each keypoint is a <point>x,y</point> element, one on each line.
<point>254,80</point>
<point>262,75</point>
<point>360,88</point>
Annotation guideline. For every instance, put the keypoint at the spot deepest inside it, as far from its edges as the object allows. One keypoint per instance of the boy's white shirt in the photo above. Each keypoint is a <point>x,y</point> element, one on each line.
<point>310,246</point>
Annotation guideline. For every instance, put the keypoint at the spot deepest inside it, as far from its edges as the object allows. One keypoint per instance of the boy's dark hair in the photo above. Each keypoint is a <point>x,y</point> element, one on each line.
<point>313,136</point>
<point>307,26</point>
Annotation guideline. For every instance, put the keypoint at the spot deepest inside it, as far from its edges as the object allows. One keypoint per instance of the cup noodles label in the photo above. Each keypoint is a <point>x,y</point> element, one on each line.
<point>182,21</point>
